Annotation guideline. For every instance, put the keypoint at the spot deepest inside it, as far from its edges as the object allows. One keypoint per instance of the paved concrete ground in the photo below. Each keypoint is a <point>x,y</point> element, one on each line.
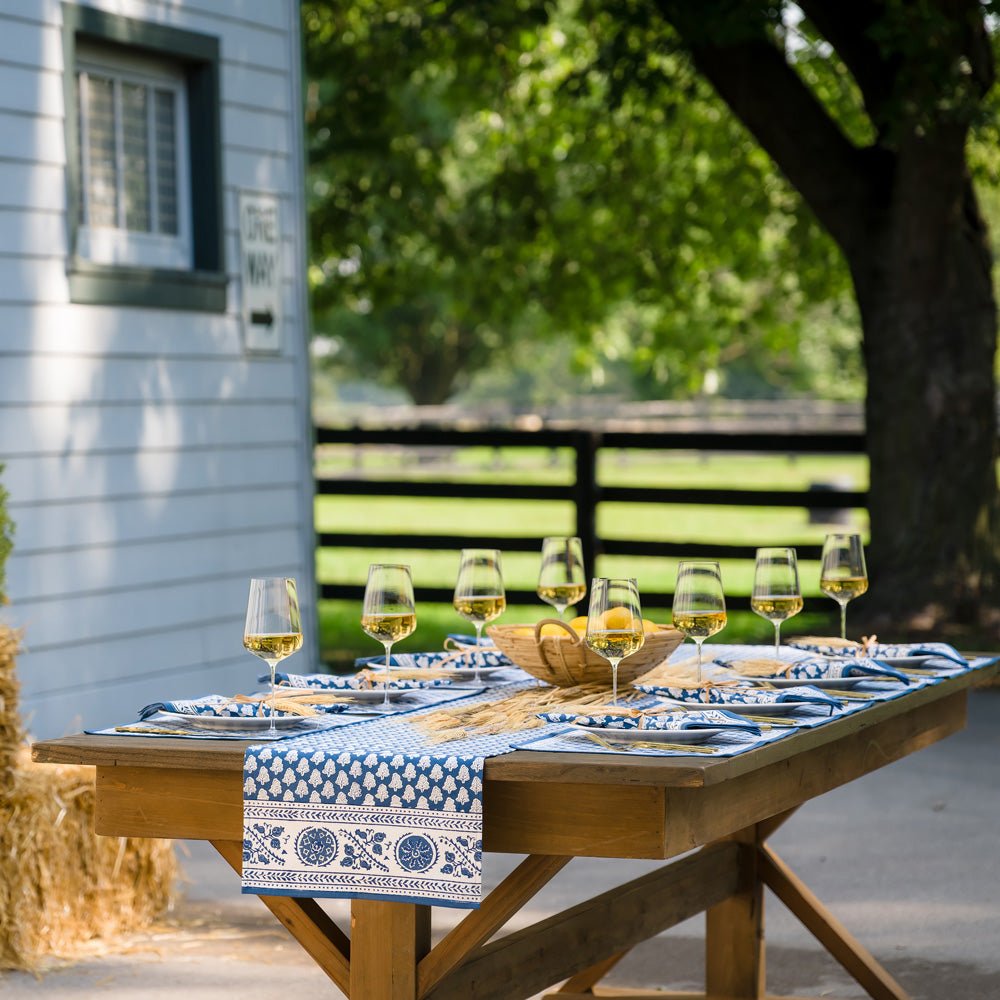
<point>908,858</point>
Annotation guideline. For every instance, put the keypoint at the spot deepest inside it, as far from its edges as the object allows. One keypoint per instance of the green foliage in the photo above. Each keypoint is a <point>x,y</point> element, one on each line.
<point>6,533</point>
<point>486,175</point>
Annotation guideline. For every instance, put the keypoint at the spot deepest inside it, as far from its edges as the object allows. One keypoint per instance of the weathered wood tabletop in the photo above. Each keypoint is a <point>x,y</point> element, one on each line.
<point>553,807</point>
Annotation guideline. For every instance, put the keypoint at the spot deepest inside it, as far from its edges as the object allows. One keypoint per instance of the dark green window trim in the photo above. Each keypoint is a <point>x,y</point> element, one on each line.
<point>204,287</point>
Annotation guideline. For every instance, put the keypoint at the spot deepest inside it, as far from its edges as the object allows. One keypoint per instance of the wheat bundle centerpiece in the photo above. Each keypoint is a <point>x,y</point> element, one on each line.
<point>64,891</point>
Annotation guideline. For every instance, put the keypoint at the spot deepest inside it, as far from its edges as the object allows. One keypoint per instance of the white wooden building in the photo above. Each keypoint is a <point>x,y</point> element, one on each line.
<point>154,404</point>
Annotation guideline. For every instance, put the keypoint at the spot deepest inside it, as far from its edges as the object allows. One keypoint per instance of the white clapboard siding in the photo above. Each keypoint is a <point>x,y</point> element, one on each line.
<point>250,170</point>
<point>250,87</point>
<point>72,524</point>
<point>32,185</point>
<point>48,379</point>
<point>60,329</point>
<point>156,471</point>
<point>97,707</point>
<point>35,233</point>
<point>33,138</point>
<point>168,610</point>
<point>56,429</point>
<point>33,40</point>
<point>27,88</point>
<point>152,465</point>
<point>138,565</point>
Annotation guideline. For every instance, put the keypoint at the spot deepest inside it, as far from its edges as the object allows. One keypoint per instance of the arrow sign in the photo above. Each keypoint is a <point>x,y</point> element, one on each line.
<point>260,272</point>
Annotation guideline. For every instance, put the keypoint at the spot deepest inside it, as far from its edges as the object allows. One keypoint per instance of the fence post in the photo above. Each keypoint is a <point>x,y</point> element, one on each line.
<point>585,496</point>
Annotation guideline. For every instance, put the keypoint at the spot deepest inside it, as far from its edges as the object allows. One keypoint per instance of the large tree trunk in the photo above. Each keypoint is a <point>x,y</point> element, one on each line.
<point>925,292</point>
<point>904,213</point>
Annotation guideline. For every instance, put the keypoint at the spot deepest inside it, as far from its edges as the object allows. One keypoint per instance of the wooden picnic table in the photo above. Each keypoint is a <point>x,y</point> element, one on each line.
<point>717,813</point>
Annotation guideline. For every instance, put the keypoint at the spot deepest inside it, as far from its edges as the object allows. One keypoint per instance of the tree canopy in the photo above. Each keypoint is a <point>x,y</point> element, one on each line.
<point>684,183</point>
<point>486,175</point>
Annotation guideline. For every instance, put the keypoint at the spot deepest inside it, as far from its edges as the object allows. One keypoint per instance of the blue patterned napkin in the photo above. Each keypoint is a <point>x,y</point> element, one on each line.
<point>331,682</point>
<point>709,719</point>
<point>714,695</point>
<point>817,669</point>
<point>220,706</point>
<point>879,650</point>
<point>454,659</point>
<point>939,650</point>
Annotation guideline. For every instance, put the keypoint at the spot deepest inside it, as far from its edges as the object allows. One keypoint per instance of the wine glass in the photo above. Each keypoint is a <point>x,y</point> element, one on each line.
<point>776,593</point>
<point>388,612</point>
<point>614,623</point>
<point>561,582</point>
<point>699,608</point>
<point>273,628</point>
<point>842,574</point>
<point>479,593</point>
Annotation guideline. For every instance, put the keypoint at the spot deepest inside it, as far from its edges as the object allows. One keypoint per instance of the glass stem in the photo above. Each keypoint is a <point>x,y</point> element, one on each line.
<point>843,620</point>
<point>614,681</point>
<point>272,729</point>
<point>698,643</point>
<point>385,679</point>
<point>777,638</point>
<point>475,656</point>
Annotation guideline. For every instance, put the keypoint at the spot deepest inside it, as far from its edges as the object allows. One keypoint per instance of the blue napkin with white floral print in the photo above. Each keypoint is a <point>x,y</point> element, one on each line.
<point>222,707</point>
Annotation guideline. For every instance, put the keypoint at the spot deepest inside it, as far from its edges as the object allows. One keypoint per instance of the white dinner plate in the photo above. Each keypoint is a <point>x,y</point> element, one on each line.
<point>369,695</point>
<point>469,673</point>
<point>650,735</point>
<point>843,683</point>
<point>771,708</point>
<point>228,723</point>
<point>902,662</point>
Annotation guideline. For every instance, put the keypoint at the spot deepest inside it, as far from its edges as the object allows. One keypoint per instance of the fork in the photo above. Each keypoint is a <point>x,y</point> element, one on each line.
<point>642,745</point>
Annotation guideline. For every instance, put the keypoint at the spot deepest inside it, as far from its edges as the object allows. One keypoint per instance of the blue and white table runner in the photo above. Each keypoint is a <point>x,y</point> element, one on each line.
<point>375,810</point>
<point>371,811</point>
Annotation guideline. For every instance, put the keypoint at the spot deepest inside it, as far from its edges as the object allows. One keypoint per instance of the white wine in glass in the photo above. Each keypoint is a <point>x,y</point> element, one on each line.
<point>561,582</point>
<point>388,613</point>
<point>699,606</point>
<point>843,575</point>
<point>776,593</point>
<point>273,628</point>
<point>614,623</point>
<point>479,592</point>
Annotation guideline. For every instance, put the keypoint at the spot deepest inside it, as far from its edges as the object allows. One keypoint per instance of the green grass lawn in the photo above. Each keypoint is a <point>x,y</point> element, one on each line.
<point>340,634</point>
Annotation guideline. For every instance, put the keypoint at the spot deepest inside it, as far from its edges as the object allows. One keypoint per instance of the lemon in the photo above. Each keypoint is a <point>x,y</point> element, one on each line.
<point>617,618</point>
<point>550,628</point>
<point>579,624</point>
<point>648,626</point>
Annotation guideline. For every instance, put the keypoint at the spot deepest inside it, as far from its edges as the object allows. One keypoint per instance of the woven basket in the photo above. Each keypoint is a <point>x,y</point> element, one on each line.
<point>566,661</point>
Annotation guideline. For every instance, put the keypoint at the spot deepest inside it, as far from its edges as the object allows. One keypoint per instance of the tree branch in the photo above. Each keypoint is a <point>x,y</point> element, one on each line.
<point>846,25</point>
<point>752,76</point>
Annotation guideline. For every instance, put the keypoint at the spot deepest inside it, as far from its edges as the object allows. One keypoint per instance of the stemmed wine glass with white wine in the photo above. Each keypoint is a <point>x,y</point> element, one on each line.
<point>614,623</point>
<point>776,593</point>
<point>699,607</point>
<point>273,628</point>
<point>388,613</point>
<point>843,575</point>
<point>479,593</point>
<point>561,582</point>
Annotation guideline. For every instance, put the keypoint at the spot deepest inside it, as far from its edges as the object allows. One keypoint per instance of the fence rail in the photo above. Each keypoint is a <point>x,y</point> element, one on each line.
<point>584,492</point>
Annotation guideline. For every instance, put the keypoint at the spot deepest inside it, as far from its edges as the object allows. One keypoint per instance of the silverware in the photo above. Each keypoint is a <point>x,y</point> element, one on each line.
<point>643,745</point>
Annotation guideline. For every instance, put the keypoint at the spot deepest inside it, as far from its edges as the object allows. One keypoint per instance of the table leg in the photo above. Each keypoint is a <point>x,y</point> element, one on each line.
<point>734,931</point>
<point>387,942</point>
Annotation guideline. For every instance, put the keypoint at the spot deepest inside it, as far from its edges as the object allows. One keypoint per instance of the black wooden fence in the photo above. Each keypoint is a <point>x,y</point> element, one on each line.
<point>585,492</point>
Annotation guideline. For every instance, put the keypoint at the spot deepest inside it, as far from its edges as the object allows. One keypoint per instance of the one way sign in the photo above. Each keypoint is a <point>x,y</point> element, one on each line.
<point>260,271</point>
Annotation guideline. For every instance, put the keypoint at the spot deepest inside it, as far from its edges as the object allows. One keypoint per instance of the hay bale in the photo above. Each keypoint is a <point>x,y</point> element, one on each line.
<point>64,891</point>
<point>11,729</point>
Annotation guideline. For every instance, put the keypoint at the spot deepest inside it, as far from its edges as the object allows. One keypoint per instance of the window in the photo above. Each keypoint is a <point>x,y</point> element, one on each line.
<point>143,163</point>
<point>133,168</point>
